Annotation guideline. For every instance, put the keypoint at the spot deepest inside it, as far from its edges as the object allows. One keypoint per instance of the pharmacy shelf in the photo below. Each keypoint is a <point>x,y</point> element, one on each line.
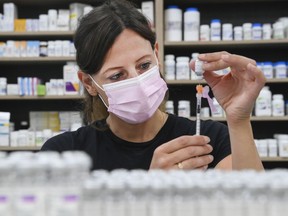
<point>20,148</point>
<point>46,97</point>
<point>194,82</point>
<point>227,44</point>
<point>38,34</point>
<point>274,159</point>
<point>253,118</point>
<point>7,60</point>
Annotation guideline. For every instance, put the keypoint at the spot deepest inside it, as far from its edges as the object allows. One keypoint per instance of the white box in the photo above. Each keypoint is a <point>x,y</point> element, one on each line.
<point>4,128</point>
<point>147,8</point>
<point>71,79</point>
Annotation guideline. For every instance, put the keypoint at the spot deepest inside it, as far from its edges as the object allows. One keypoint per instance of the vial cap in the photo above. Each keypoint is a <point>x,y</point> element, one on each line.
<point>191,9</point>
<point>215,21</point>
<point>256,25</point>
<point>172,7</point>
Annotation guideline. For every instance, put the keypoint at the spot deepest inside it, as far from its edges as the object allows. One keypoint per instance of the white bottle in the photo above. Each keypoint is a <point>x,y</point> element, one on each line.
<point>215,31</point>
<point>173,23</point>
<point>263,102</point>
<point>184,108</point>
<point>278,30</point>
<point>52,20</point>
<point>3,85</point>
<point>194,57</point>
<point>280,70</point>
<point>169,67</point>
<point>247,31</point>
<point>204,33</point>
<point>170,107</point>
<point>182,68</point>
<point>256,31</point>
<point>267,31</point>
<point>227,31</point>
<point>218,112</point>
<point>238,33</point>
<point>267,69</point>
<point>278,105</point>
<point>191,24</point>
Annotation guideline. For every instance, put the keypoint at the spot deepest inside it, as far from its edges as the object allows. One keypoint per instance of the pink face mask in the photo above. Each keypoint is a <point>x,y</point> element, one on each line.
<point>136,99</point>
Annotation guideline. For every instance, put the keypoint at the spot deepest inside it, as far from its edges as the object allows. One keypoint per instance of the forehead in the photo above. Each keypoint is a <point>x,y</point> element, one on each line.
<point>128,46</point>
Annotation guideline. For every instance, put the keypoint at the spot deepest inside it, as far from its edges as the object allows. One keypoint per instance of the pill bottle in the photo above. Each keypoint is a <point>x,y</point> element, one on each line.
<point>184,108</point>
<point>182,68</point>
<point>169,67</point>
<point>227,31</point>
<point>170,106</point>
<point>278,106</point>
<point>215,30</point>
<point>173,23</point>
<point>43,48</point>
<point>238,33</point>
<point>191,24</point>
<point>247,31</point>
<point>256,31</point>
<point>280,69</point>
<point>3,85</point>
<point>267,31</point>
<point>204,33</point>
<point>267,69</point>
<point>278,30</point>
<point>264,102</point>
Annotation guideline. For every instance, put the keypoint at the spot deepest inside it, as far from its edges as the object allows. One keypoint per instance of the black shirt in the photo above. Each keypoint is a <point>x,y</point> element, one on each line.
<point>111,152</point>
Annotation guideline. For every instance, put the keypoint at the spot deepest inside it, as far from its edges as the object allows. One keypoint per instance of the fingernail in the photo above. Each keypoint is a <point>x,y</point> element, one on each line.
<point>201,56</point>
<point>207,139</point>
<point>211,157</point>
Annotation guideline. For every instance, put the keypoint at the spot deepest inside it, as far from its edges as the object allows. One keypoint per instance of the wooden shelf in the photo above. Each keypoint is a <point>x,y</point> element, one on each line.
<point>195,82</point>
<point>226,44</point>
<point>253,118</point>
<point>7,60</point>
<point>20,148</point>
<point>46,97</point>
<point>46,34</point>
<point>274,159</point>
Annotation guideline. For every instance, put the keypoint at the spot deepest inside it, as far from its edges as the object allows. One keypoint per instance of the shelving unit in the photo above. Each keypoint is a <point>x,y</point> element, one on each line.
<point>227,10</point>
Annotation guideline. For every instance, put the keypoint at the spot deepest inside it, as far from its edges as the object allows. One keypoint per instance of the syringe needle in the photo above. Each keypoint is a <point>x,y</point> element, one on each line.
<point>199,89</point>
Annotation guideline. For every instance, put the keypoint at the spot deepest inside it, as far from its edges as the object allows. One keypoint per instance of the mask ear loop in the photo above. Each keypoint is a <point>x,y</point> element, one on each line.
<point>100,88</point>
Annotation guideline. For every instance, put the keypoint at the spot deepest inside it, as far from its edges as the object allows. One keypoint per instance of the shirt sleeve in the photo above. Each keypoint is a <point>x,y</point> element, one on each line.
<point>59,143</point>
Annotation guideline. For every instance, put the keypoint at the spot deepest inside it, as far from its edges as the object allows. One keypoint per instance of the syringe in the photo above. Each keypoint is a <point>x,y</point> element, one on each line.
<point>199,89</point>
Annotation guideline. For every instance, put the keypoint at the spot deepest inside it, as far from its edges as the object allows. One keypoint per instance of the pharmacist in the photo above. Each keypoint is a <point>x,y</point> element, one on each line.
<point>117,54</point>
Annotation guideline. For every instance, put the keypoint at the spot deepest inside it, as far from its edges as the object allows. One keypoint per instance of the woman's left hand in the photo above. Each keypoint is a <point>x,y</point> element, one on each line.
<point>236,91</point>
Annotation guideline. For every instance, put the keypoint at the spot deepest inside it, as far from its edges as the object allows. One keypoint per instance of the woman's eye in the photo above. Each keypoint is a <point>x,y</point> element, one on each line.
<point>145,66</point>
<point>116,76</point>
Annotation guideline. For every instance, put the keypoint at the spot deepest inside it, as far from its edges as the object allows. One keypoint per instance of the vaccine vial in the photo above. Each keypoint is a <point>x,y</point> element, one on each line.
<point>182,68</point>
<point>215,31</point>
<point>198,69</point>
<point>278,105</point>
<point>173,23</point>
<point>194,57</point>
<point>169,67</point>
<point>191,24</point>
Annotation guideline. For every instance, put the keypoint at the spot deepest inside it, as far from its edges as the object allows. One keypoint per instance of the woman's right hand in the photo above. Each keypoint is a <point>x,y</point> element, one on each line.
<point>185,152</point>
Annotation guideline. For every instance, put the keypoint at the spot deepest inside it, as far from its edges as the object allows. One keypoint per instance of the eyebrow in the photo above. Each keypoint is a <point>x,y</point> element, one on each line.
<point>114,68</point>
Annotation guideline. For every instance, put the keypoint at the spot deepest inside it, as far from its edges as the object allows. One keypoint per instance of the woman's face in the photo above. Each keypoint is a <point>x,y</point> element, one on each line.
<point>129,56</point>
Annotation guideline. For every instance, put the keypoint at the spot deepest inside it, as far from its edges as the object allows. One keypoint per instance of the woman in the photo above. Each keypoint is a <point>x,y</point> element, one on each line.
<point>117,54</point>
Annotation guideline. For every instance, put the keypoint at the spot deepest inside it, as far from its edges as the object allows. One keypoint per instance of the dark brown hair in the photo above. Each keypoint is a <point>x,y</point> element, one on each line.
<point>94,37</point>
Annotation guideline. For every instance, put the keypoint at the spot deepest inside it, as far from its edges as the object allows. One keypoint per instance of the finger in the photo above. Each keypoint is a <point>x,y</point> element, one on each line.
<point>211,57</point>
<point>237,61</point>
<point>189,152</point>
<point>195,163</point>
<point>257,73</point>
<point>182,142</point>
